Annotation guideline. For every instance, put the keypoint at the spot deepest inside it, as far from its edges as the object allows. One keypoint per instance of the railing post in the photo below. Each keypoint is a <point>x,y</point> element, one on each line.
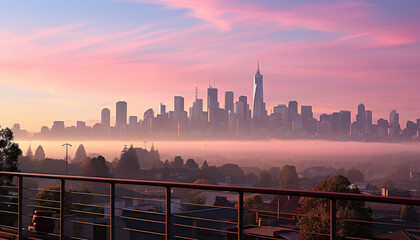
<point>333,219</point>
<point>168,214</point>
<point>240,215</point>
<point>62,197</point>
<point>112,212</point>
<point>20,206</point>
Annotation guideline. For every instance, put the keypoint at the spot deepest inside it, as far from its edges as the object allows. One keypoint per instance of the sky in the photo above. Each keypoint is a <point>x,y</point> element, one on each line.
<point>66,60</point>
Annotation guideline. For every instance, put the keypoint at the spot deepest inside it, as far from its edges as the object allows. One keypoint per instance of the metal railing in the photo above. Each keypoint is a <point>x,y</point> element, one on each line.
<point>166,218</point>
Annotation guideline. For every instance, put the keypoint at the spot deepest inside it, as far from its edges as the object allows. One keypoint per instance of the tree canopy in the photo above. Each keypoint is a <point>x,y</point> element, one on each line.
<point>9,154</point>
<point>230,169</point>
<point>264,179</point>
<point>191,164</point>
<point>96,167</point>
<point>128,165</point>
<point>29,153</point>
<point>39,153</point>
<point>80,154</point>
<point>316,214</point>
<point>288,178</point>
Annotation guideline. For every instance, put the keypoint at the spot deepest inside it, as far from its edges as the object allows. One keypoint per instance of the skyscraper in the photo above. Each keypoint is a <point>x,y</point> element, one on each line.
<point>106,118</point>
<point>345,122</point>
<point>212,104</point>
<point>361,119</point>
<point>162,109</point>
<point>258,100</point>
<point>229,101</point>
<point>178,108</point>
<point>394,123</point>
<point>293,110</point>
<point>121,114</point>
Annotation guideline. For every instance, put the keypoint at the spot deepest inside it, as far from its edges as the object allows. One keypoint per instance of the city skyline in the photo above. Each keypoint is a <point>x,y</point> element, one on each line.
<point>235,120</point>
<point>55,62</point>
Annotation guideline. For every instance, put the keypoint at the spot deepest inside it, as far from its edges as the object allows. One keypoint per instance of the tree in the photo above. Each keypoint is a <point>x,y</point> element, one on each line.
<point>191,164</point>
<point>52,194</point>
<point>178,162</point>
<point>80,154</point>
<point>288,178</point>
<point>355,175</point>
<point>205,164</point>
<point>250,204</point>
<point>264,179</point>
<point>128,165</point>
<point>9,154</point>
<point>230,169</point>
<point>316,214</point>
<point>29,153</point>
<point>408,213</point>
<point>96,167</point>
<point>274,172</point>
<point>39,153</point>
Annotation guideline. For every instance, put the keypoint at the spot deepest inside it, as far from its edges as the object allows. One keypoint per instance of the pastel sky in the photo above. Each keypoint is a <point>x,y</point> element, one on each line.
<point>66,60</point>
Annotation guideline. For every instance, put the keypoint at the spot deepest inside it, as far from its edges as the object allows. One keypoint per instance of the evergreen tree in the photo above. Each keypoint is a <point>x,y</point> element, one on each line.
<point>80,154</point>
<point>191,164</point>
<point>128,165</point>
<point>288,178</point>
<point>29,153</point>
<point>178,162</point>
<point>39,153</point>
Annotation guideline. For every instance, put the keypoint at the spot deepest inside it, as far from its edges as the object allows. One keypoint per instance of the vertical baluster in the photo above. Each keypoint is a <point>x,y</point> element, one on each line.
<point>333,219</point>
<point>112,212</point>
<point>240,215</point>
<point>168,214</point>
<point>62,201</point>
<point>20,206</point>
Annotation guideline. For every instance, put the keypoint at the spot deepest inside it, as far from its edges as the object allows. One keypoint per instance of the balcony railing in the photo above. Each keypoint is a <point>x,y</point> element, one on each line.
<point>164,224</point>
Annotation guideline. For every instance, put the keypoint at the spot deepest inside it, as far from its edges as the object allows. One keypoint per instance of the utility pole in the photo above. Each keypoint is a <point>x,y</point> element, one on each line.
<point>67,153</point>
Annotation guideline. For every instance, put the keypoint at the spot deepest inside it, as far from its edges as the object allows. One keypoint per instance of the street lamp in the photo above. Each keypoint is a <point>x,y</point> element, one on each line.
<point>67,152</point>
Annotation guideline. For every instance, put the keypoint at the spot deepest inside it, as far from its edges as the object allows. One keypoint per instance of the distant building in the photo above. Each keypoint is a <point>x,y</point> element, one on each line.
<point>106,118</point>
<point>394,123</point>
<point>229,101</point>
<point>121,114</point>
<point>258,100</point>
<point>293,110</point>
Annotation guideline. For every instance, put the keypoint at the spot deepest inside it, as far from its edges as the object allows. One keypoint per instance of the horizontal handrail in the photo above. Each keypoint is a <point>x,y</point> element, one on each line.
<point>302,193</point>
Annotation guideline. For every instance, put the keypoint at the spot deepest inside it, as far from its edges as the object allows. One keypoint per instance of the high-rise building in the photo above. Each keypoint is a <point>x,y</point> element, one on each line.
<point>361,119</point>
<point>178,108</point>
<point>394,123</point>
<point>106,118</point>
<point>293,110</point>
<point>196,111</point>
<point>245,107</point>
<point>282,110</point>
<point>229,101</point>
<point>132,123</point>
<point>121,114</point>
<point>345,122</point>
<point>307,115</point>
<point>212,104</point>
<point>162,109</point>
<point>258,100</point>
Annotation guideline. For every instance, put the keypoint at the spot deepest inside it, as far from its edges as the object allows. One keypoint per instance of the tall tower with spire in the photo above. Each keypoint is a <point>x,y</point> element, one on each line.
<point>258,110</point>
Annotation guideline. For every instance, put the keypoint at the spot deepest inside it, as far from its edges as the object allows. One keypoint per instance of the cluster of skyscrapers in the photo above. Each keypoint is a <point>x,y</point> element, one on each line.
<point>234,120</point>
